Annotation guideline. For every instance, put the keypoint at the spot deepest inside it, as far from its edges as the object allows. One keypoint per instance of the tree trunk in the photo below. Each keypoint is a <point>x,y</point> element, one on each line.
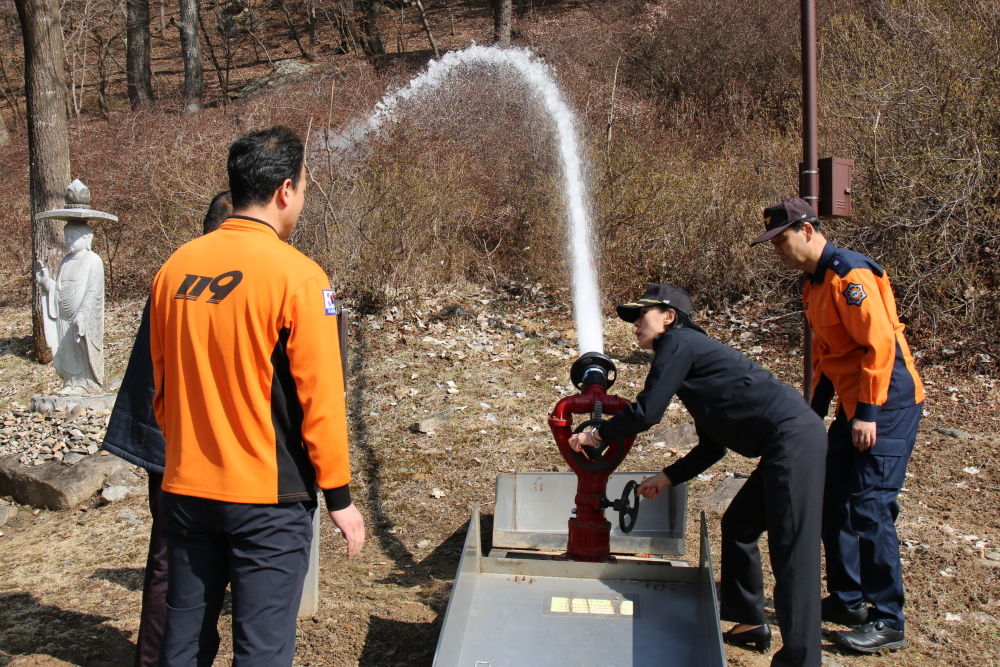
<point>371,41</point>
<point>163,20</point>
<point>215,61</point>
<point>48,142</point>
<point>4,134</point>
<point>295,33</point>
<point>501,22</point>
<point>427,28</point>
<point>140,87</point>
<point>191,52</point>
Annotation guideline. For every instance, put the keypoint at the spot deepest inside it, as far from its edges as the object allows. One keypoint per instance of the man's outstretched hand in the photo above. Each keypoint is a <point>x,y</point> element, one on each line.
<point>653,486</point>
<point>352,526</point>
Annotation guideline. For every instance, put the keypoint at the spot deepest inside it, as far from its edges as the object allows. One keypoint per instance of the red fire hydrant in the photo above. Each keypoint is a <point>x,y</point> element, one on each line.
<point>589,532</point>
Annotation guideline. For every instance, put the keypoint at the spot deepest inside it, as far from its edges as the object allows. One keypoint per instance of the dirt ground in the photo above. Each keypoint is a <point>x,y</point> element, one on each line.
<point>70,582</point>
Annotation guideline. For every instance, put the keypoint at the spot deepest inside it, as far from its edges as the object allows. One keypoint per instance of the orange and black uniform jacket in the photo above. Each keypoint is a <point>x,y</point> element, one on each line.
<point>249,386</point>
<point>858,349</point>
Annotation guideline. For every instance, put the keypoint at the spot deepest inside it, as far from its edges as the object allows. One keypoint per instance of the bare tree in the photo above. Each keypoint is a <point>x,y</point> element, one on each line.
<point>371,39</point>
<point>295,33</point>
<point>344,24</point>
<point>191,52</point>
<point>139,75</point>
<point>48,141</point>
<point>4,134</point>
<point>76,42</point>
<point>104,35</point>
<point>10,88</point>
<point>501,22</point>
<point>427,26</point>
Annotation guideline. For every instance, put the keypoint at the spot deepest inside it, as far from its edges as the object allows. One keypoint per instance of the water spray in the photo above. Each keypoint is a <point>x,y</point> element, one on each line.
<point>593,373</point>
<point>541,80</point>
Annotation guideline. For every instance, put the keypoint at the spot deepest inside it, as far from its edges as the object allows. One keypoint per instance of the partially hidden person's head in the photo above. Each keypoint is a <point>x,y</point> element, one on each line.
<point>661,308</point>
<point>793,228</point>
<point>267,177</point>
<point>220,209</point>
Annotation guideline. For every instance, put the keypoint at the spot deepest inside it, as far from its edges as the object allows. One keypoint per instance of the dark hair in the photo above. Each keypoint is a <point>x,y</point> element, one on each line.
<point>220,209</point>
<point>681,319</point>
<point>797,225</point>
<point>260,162</point>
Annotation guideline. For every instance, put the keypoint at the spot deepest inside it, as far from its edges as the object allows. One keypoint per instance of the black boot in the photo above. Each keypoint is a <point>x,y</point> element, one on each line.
<point>760,637</point>
<point>835,611</point>
<point>871,638</point>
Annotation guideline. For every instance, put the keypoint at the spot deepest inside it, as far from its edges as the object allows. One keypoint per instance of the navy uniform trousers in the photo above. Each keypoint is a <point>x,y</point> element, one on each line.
<point>261,551</point>
<point>783,496</point>
<point>860,510</point>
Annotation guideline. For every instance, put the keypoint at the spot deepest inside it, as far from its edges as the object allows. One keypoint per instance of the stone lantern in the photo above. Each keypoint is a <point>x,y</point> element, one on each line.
<point>74,308</point>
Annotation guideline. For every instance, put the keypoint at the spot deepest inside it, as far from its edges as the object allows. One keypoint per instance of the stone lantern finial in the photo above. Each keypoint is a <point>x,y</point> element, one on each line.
<point>77,195</point>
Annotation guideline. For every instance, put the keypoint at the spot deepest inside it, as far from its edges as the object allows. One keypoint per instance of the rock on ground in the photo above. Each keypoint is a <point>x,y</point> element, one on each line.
<point>56,486</point>
<point>432,423</point>
<point>113,494</point>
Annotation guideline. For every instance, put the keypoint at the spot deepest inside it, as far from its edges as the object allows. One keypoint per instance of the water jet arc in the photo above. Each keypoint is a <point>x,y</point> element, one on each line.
<point>538,76</point>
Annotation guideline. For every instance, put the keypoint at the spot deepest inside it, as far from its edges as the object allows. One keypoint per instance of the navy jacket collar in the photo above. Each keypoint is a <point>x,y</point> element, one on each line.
<point>823,264</point>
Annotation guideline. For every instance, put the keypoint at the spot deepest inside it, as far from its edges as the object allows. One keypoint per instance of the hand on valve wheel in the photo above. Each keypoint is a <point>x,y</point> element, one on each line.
<point>578,440</point>
<point>653,486</point>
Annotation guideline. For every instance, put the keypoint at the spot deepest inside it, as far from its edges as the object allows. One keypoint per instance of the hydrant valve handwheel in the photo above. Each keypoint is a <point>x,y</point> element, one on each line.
<point>628,509</point>
<point>589,538</point>
<point>598,462</point>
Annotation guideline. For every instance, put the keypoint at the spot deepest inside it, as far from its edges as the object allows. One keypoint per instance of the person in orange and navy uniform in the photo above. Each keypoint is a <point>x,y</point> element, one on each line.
<point>250,399</point>
<point>860,353</point>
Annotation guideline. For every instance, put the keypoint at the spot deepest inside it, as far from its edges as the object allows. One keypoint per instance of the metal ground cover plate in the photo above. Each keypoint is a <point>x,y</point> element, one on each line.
<point>532,511</point>
<point>504,613</point>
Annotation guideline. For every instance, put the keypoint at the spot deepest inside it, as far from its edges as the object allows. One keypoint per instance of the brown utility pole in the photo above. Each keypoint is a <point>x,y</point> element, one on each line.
<point>140,87</point>
<point>48,143</point>
<point>809,177</point>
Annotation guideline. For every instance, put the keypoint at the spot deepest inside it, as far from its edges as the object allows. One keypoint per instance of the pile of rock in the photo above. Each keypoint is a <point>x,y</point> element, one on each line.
<point>61,436</point>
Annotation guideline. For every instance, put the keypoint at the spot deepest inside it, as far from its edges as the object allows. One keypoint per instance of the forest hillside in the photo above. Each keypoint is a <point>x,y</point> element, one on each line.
<point>690,112</point>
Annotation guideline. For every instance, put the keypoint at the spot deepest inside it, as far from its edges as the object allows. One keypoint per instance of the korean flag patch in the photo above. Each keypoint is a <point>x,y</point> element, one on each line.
<point>328,305</point>
<point>855,294</point>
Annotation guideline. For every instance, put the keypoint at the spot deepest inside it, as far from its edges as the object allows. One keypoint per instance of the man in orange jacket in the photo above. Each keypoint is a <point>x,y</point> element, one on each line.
<point>250,399</point>
<point>860,353</point>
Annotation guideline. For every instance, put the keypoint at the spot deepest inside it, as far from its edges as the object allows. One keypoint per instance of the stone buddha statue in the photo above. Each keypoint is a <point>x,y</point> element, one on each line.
<point>74,313</point>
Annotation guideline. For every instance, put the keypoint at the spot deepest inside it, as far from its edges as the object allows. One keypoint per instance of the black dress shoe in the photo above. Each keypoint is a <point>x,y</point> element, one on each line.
<point>871,638</point>
<point>835,611</point>
<point>760,637</point>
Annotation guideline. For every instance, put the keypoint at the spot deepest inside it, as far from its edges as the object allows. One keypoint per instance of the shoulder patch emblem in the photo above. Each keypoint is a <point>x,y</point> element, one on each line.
<point>328,305</point>
<point>855,294</point>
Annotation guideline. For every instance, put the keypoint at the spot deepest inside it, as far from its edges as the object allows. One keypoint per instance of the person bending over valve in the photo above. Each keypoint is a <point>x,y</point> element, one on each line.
<point>737,404</point>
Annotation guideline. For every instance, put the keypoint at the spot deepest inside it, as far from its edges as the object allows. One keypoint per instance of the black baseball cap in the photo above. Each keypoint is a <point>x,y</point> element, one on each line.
<point>656,295</point>
<point>778,216</point>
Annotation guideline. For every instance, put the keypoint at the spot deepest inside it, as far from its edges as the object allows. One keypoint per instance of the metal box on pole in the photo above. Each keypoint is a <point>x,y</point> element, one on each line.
<point>835,187</point>
<point>834,176</point>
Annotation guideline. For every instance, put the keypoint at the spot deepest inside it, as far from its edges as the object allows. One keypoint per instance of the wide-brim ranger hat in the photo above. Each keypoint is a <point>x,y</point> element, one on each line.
<point>780,215</point>
<point>663,295</point>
